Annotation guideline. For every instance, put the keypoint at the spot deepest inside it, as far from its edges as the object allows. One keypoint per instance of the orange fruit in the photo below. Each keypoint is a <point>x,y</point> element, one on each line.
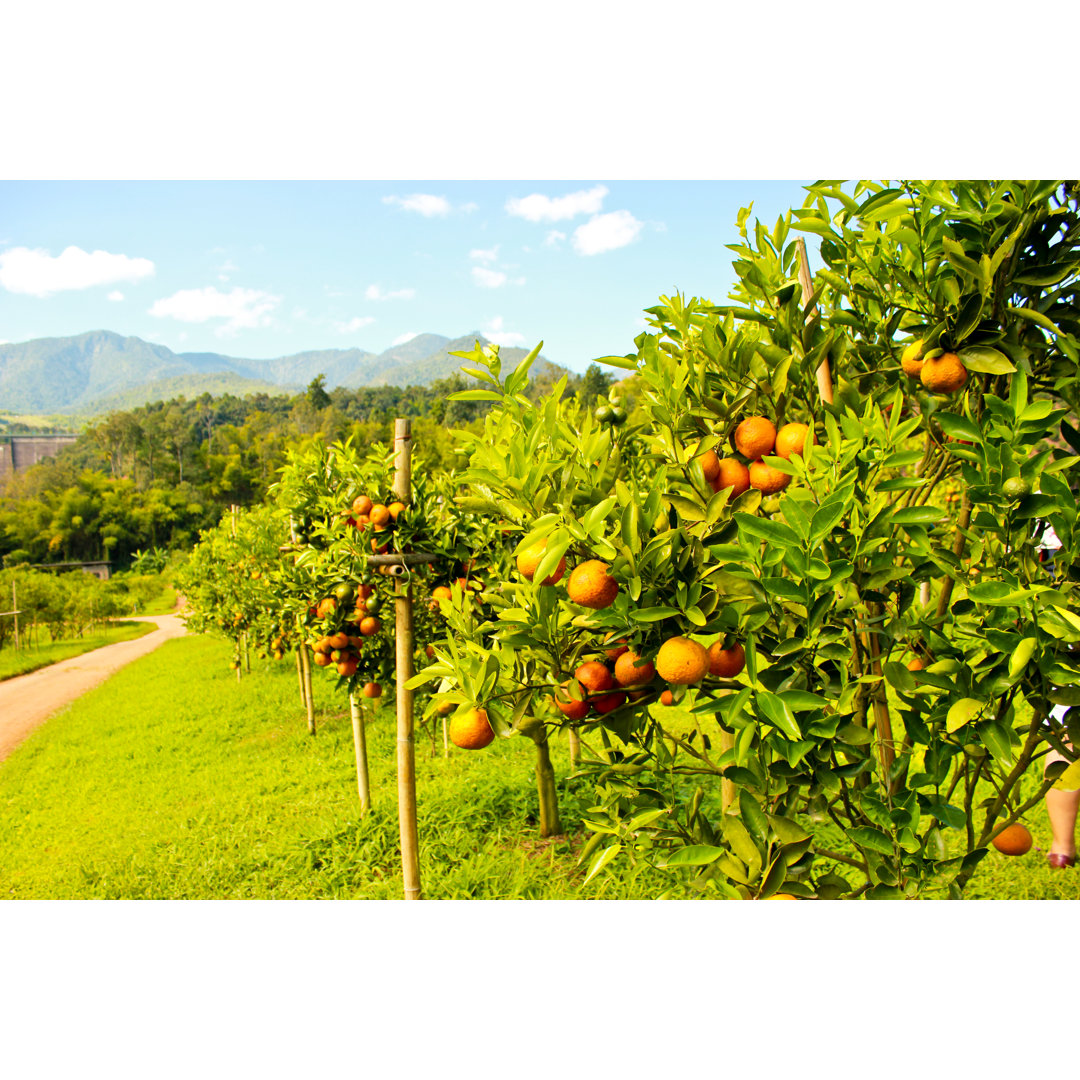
<point>681,661</point>
<point>667,698</point>
<point>632,670</point>
<point>429,651</point>
<point>617,648</point>
<point>911,359</point>
<point>323,659</point>
<point>943,375</point>
<point>607,703</point>
<point>594,676</point>
<point>370,626</point>
<point>396,510</point>
<point>326,607</point>
<point>528,562</point>
<point>347,667</point>
<point>371,689</point>
<point>470,730</point>
<point>710,465</point>
<point>440,592</point>
<point>1013,840</point>
<point>362,505</point>
<point>733,474</point>
<point>755,437</point>
<point>324,644</point>
<point>571,707</point>
<point>791,439</point>
<point>726,663</point>
<point>364,591</point>
<point>339,641</point>
<point>591,585</point>
<point>916,664</point>
<point>379,514</point>
<point>766,479</point>
<point>445,708</point>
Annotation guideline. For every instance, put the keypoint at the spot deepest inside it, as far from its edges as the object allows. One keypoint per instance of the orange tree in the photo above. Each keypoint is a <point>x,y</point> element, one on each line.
<point>901,661</point>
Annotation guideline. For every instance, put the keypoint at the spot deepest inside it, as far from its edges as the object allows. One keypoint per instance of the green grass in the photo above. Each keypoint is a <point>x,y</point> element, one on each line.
<point>21,662</point>
<point>174,780</point>
<point>163,604</point>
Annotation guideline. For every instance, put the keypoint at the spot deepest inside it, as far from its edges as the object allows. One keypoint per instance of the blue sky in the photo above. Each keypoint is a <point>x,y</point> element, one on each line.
<point>264,269</point>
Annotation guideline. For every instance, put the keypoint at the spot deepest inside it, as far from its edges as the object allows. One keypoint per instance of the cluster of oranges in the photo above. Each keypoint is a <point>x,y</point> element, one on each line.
<point>343,647</point>
<point>366,514</point>
<point>940,375</point>
<point>755,438</point>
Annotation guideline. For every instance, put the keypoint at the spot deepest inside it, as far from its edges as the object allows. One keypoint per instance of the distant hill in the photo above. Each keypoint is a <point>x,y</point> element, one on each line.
<point>99,370</point>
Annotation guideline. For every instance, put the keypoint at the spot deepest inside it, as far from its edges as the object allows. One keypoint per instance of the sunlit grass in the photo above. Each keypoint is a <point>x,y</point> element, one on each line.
<point>22,661</point>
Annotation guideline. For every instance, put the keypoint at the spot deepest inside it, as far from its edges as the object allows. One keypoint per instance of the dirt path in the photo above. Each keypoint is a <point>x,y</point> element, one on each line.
<point>27,701</point>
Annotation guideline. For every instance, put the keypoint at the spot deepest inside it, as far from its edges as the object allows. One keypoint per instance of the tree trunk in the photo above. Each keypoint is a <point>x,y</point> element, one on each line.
<point>360,746</point>
<point>550,825</point>
<point>575,749</point>
<point>306,659</point>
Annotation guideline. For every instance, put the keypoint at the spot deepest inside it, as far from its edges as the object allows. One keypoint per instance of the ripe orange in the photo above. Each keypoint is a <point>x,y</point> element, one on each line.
<point>440,592</point>
<point>362,505</point>
<point>607,703</point>
<point>445,708</point>
<point>681,661</point>
<point>371,689</point>
<point>916,664</point>
<point>364,591</point>
<point>733,474</point>
<point>710,465</point>
<point>911,360</point>
<point>632,670</point>
<point>323,659</point>
<point>943,375</point>
<point>571,707</point>
<point>529,561</point>
<point>324,644</point>
<point>594,676</point>
<point>791,439</point>
<point>326,607</point>
<point>591,585</point>
<point>339,641</point>
<point>470,730</point>
<point>1013,840</point>
<point>370,625</point>
<point>726,663</point>
<point>347,667</point>
<point>396,510</point>
<point>379,514</point>
<point>667,698</point>
<point>755,437</point>
<point>617,648</point>
<point>766,479</point>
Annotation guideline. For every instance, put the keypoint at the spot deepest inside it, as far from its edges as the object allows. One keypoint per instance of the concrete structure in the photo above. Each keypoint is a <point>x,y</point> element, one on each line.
<point>19,452</point>
<point>98,569</point>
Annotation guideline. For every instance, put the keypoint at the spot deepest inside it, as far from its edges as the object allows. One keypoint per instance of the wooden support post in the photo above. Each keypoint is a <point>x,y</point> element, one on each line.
<point>575,749</point>
<point>406,748</point>
<point>727,787</point>
<point>300,677</point>
<point>824,376</point>
<point>15,612</point>
<point>305,659</point>
<point>360,746</point>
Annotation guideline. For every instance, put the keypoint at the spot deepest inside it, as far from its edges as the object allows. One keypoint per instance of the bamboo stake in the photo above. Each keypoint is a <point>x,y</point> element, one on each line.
<point>310,703</point>
<point>445,738</point>
<point>300,677</point>
<point>360,746</point>
<point>727,787</point>
<point>406,749</point>
<point>15,612</point>
<point>824,377</point>
<point>575,749</point>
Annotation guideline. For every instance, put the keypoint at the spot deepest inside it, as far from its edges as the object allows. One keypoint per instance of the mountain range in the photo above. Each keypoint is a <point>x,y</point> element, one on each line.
<point>100,370</point>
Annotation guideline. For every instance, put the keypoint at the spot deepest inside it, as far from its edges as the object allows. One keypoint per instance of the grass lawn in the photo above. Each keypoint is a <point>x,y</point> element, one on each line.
<point>14,663</point>
<point>174,780</point>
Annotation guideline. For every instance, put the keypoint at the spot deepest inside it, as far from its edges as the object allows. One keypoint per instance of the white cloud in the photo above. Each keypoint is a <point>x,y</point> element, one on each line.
<point>426,205</point>
<point>495,333</point>
<point>375,292</point>
<point>488,279</point>
<point>485,255</point>
<point>116,296</point>
<point>34,272</point>
<point>545,208</point>
<point>554,238</point>
<point>227,268</point>
<point>357,323</point>
<point>242,309</point>
<point>404,338</point>
<point>606,232</point>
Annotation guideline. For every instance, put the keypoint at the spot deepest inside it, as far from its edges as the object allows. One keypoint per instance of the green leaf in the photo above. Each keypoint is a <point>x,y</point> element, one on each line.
<point>653,614</point>
<point>753,818</point>
<point>1021,655</point>
<point>475,395</point>
<point>997,592</point>
<point>601,860</point>
<point>772,532</point>
<point>917,515</point>
<point>983,358</point>
<point>1036,317</point>
<point>1069,780</point>
<point>802,700</point>
<point>774,710</point>
<point>695,855</point>
<point>959,427</point>
<point>961,712</point>
<point>629,362</point>
<point>874,839</point>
